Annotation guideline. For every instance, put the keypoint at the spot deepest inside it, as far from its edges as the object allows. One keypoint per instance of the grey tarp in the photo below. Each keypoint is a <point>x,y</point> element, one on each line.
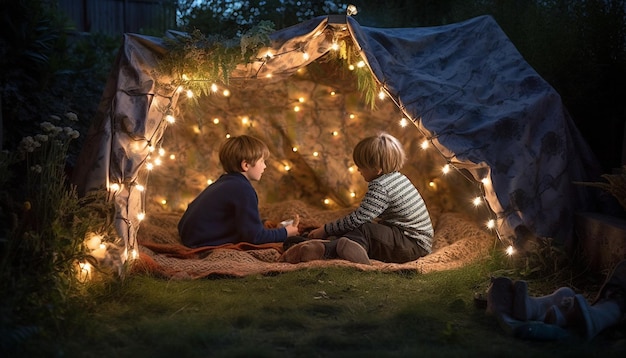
<point>464,85</point>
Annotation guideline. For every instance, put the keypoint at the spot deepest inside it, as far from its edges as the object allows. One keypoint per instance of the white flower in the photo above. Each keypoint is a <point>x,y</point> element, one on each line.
<point>75,134</point>
<point>47,126</point>
<point>55,117</point>
<point>41,138</point>
<point>71,116</point>
<point>28,144</point>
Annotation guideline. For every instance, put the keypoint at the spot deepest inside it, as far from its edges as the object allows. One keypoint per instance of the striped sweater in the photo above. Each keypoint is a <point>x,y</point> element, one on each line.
<point>394,200</point>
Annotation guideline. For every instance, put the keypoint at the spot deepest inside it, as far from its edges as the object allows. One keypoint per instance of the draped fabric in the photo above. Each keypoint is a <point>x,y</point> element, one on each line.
<point>464,85</point>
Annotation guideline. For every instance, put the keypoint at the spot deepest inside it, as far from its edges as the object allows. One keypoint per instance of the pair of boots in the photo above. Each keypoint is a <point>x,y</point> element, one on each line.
<point>310,250</point>
<point>554,316</point>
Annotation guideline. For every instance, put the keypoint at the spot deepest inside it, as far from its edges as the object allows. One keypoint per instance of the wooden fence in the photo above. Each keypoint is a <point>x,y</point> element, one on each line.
<point>115,17</point>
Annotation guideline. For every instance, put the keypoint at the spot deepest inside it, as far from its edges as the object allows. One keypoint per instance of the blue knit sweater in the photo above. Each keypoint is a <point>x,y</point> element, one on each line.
<point>394,200</point>
<point>226,211</point>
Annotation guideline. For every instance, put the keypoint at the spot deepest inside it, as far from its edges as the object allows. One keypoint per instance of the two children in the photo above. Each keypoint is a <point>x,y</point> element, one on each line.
<point>392,223</point>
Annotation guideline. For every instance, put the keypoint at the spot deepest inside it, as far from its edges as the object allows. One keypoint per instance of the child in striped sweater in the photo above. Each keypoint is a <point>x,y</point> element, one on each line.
<point>392,223</point>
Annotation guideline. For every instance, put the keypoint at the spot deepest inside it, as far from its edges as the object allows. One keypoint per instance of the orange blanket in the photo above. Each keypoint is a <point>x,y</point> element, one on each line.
<point>458,241</point>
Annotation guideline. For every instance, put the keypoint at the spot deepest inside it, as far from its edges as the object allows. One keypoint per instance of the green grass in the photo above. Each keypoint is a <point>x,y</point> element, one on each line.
<point>337,312</point>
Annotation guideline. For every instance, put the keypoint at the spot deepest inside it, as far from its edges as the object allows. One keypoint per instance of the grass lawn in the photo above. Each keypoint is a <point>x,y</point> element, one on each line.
<point>337,312</point>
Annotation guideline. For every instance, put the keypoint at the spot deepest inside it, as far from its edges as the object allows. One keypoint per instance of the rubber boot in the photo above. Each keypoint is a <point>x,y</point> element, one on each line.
<point>500,296</point>
<point>588,320</point>
<point>557,314</point>
<point>526,308</point>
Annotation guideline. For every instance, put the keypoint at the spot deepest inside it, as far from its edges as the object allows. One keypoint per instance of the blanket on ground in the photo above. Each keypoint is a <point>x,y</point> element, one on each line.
<point>458,241</point>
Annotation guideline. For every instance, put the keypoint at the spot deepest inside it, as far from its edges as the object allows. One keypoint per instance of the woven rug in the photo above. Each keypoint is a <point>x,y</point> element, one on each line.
<point>458,241</point>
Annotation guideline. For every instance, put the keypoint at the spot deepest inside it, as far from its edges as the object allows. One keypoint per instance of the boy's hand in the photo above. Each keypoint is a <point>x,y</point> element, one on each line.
<point>292,229</point>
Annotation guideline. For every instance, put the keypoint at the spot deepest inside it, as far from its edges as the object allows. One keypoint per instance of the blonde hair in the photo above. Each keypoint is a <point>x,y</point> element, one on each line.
<point>382,151</point>
<point>237,149</point>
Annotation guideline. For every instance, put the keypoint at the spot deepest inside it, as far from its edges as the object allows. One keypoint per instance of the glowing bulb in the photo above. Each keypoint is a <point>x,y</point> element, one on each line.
<point>134,254</point>
<point>214,87</point>
<point>141,216</point>
<point>269,75</point>
<point>305,56</point>
<point>294,149</point>
<point>149,166</point>
<point>335,133</point>
<point>301,99</point>
<point>351,67</point>
<point>189,93</point>
<point>172,156</point>
<point>157,161</point>
<point>351,169</point>
<point>163,202</point>
<point>360,64</point>
<point>226,93</point>
<point>352,194</point>
<point>170,119</point>
<point>335,46</point>
<point>114,187</point>
<point>381,94</point>
<point>425,144</point>
<point>326,201</point>
<point>287,168</point>
<point>446,169</point>
<point>403,122</point>
<point>268,55</point>
<point>161,151</point>
<point>245,120</point>
<point>332,93</point>
<point>352,116</point>
<point>185,78</point>
<point>491,224</point>
<point>477,201</point>
<point>432,185</point>
<point>315,154</point>
<point>209,182</point>
<point>227,135</point>
<point>139,187</point>
<point>510,250</point>
<point>150,148</point>
<point>296,109</point>
<point>485,181</point>
<point>196,129</point>
<point>216,120</point>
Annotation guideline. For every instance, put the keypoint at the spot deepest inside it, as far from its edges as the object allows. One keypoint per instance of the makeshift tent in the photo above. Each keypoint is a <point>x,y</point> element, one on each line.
<point>464,86</point>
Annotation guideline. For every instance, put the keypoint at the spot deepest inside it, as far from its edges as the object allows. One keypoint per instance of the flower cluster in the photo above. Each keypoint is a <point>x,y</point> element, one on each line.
<point>31,143</point>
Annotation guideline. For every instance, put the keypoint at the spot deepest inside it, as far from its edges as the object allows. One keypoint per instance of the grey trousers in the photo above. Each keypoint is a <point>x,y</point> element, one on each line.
<point>384,243</point>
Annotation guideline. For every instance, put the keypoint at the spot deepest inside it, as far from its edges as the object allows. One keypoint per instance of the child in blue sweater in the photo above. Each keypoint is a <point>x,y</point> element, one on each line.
<point>227,211</point>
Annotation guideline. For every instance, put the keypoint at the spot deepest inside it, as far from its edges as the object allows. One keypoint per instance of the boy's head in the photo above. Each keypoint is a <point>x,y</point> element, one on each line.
<point>237,149</point>
<point>381,151</point>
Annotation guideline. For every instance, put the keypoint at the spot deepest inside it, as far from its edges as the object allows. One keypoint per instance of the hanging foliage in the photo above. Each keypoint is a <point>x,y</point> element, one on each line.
<point>199,60</point>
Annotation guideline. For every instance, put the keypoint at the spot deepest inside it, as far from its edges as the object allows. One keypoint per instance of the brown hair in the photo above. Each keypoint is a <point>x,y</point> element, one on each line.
<point>237,149</point>
<point>382,151</point>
